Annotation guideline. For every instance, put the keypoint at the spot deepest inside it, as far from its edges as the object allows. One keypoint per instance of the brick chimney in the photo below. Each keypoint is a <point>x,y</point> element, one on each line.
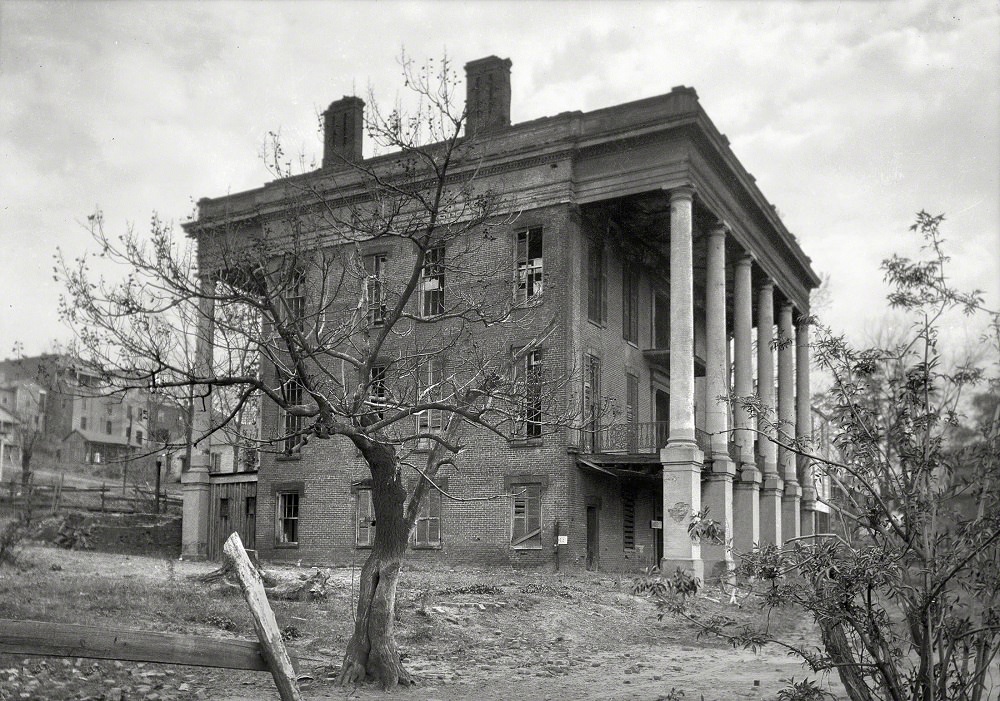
<point>487,85</point>
<point>343,125</point>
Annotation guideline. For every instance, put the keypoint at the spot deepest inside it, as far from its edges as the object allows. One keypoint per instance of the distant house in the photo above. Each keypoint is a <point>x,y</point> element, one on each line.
<point>80,419</point>
<point>85,447</point>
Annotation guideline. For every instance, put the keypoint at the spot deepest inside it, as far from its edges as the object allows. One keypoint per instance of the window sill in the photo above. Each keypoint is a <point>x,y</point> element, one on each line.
<point>598,324</point>
<point>526,442</point>
<point>362,547</point>
<point>436,546</point>
<point>288,458</point>
<point>286,546</point>
<point>526,547</point>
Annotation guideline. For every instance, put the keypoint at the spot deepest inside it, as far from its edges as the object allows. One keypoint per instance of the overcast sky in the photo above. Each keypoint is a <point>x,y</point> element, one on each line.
<point>851,115</point>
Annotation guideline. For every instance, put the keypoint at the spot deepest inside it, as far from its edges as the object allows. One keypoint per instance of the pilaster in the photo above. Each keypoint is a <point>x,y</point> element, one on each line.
<point>195,482</point>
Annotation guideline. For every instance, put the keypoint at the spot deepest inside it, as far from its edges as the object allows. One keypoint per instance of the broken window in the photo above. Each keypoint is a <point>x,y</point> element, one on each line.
<point>526,521</point>
<point>529,264</point>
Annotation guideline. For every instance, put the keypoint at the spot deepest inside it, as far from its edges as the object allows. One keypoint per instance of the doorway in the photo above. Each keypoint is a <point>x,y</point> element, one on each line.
<point>593,538</point>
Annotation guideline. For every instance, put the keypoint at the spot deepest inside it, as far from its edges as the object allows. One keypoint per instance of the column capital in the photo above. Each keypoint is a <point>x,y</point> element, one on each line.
<point>744,259</point>
<point>719,228</point>
<point>765,283</point>
<point>684,192</point>
<point>786,306</point>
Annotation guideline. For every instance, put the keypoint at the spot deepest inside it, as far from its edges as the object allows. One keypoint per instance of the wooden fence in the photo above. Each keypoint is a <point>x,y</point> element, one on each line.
<point>98,642</point>
<point>43,499</point>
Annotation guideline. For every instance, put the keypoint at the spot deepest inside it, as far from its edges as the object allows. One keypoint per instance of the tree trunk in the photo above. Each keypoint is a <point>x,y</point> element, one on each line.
<point>26,466</point>
<point>839,649</point>
<point>372,652</point>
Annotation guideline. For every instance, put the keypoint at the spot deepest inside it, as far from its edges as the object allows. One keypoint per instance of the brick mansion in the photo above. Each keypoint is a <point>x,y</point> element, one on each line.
<point>667,280</point>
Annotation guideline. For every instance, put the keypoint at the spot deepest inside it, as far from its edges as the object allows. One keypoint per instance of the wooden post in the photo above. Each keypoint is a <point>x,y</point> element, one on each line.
<point>103,488</point>
<point>158,485</point>
<point>272,646</point>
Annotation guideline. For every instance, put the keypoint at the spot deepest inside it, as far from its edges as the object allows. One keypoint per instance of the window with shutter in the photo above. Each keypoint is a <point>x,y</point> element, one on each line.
<point>630,304</point>
<point>596,285</point>
<point>628,520</point>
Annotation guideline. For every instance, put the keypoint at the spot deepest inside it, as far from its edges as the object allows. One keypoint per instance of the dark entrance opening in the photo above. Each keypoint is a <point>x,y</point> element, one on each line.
<point>593,539</point>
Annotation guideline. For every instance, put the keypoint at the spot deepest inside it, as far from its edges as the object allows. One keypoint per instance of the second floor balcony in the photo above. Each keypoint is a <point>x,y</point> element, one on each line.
<point>633,439</point>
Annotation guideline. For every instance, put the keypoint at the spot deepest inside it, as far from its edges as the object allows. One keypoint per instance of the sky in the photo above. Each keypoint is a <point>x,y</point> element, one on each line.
<point>852,116</point>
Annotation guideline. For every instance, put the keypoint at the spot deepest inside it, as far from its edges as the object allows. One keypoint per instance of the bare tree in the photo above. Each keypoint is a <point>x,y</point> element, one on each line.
<point>381,307</point>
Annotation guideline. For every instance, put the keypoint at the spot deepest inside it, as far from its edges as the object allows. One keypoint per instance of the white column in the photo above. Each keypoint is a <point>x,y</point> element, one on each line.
<point>746,490</point>
<point>681,458</point>
<point>681,318</point>
<point>803,425</point>
<point>786,415</point>
<point>195,482</point>
<point>718,492</point>
<point>771,487</point>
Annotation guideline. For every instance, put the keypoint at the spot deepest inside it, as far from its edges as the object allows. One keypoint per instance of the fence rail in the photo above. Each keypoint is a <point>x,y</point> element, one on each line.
<point>52,498</point>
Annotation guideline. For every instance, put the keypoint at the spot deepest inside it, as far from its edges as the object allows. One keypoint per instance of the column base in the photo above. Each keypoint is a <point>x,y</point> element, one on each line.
<point>807,512</point>
<point>746,516</point>
<point>682,463</point>
<point>790,512</point>
<point>718,499</point>
<point>771,491</point>
<point>194,520</point>
<point>694,566</point>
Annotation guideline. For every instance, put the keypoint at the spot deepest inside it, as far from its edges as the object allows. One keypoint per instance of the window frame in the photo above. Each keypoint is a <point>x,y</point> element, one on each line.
<point>378,392</point>
<point>375,287</point>
<point>283,500</point>
<point>293,392</point>
<point>430,513</point>
<point>430,374</point>
<point>432,298</point>
<point>529,272</point>
<point>529,384</point>
<point>526,492</point>
<point>363,497</point>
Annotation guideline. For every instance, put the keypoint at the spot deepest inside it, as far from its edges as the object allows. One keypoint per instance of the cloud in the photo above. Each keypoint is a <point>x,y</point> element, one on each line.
<point>851,115</point>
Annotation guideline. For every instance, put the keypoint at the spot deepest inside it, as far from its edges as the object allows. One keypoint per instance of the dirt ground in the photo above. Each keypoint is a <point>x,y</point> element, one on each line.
<point>464,633</point>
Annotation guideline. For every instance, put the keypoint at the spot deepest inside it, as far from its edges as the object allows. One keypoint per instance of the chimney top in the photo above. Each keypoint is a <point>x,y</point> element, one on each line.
<point>487,103</point>
<point>343,128</point>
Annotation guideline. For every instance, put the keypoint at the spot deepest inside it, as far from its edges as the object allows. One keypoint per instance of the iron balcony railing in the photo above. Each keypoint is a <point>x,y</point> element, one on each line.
<point>635,439</point>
